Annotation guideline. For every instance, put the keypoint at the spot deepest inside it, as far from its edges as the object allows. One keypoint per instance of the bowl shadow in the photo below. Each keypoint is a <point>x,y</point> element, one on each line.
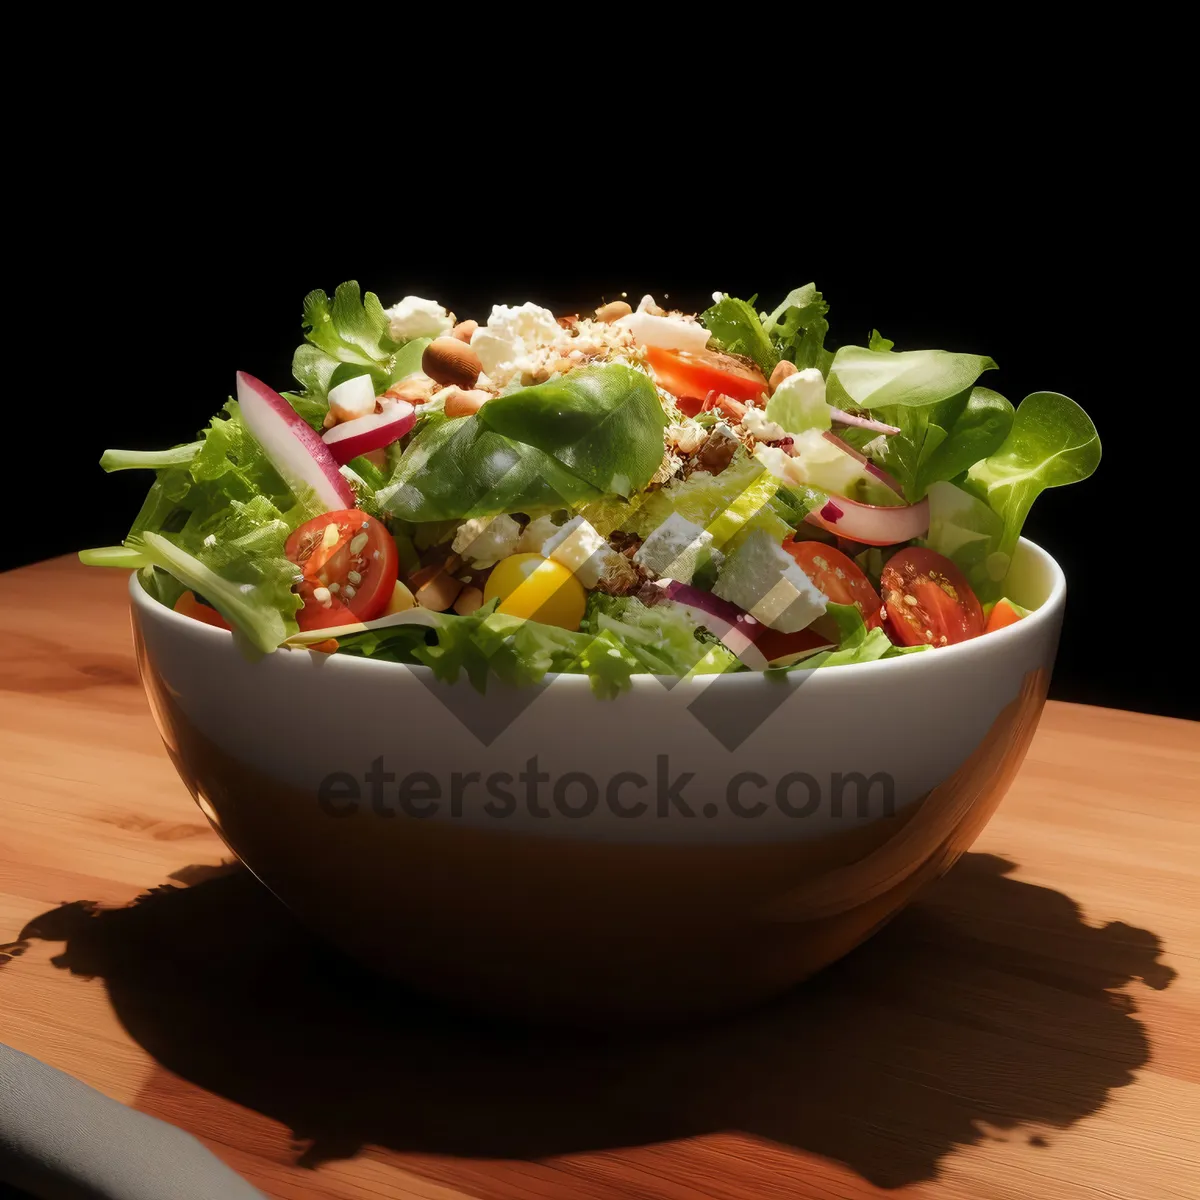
<point>989,1002</point>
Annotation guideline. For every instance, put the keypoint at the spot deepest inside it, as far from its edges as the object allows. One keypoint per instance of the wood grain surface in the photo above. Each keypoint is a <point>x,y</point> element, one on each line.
<point>1028,1029</point>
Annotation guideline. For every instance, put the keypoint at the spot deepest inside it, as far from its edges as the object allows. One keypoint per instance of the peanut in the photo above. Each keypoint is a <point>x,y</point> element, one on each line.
<point>461,403</point>
<point>451,361</point>
<point>416,389</point>
<point>440,592</point>
<point>781,372</point>
<point>469,599</point>
<point>614,310</point>
<point>464,329</point>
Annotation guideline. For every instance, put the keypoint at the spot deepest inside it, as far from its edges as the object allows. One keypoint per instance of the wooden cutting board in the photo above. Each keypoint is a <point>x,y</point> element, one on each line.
<point>1028,1029</point>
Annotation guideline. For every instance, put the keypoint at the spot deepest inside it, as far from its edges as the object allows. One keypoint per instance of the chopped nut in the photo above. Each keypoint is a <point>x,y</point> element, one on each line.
<point>461,403</point>
<point>452,362</point>
<point>614,310</point>
<point>416,389</point>
<point>469,599</point>
<point>358,543</point>
<point>781,372</point>
<point>464,329</point>
<point>440,592</point>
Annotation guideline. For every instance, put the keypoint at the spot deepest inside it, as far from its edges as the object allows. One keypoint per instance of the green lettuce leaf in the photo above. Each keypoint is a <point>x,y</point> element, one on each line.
<point>798,328</point>
<point>878,342</point>
<point>1052,442</point>
<point>862,378</point>
<point>662,637</point>
<point>346,335</point>
<point>857,643</point>
<point>219,523</point>
<point>487,644</point>
<point>968,532</point>
<point>736,325</point>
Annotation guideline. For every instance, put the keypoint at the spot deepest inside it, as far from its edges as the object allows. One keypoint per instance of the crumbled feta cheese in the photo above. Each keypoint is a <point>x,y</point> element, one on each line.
<point>764,580</point>
<point>525,342</point>
<point>414,317</point>
<point>674,549</point>
<point>484,541</point>
<point>579,548</point>
<point>535,535</point>
<point>687,439</point>
<point>756,423</point>
<point>511,332</point>
<point>665,333</point>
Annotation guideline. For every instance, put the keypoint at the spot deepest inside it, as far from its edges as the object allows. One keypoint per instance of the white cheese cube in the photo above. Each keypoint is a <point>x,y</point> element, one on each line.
<point>579,548</point>
<point>484,541</point>
<point>762,578</point>
<point>674,549</point>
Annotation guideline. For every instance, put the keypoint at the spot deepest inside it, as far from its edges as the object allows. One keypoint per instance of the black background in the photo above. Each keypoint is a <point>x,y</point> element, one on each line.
<point>176,284</point>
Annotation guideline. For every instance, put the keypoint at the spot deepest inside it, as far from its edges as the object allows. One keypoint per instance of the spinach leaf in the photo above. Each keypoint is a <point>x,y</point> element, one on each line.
<point>862,378</point>
<point>736,325</point>
<point>1052,442</point>
<point>604,425</point>
<point>941,440</point>
<point>460,468</point>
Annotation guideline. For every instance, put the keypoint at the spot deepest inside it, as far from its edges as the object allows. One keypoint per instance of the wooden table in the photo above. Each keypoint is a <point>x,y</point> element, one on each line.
<point>1029,1029</point>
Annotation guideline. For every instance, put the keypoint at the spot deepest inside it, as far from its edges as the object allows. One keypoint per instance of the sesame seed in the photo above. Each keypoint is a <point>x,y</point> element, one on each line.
<point>821,562</point>
<point>335,587</point>
<point>910,600</point>
<point>358,543</point>
<point>839,572</point>
<point>943,640</point>
<point>929,635</point>
<point>331,537</point>
<point>375,554</point>
<point>354,577</point>
<point>883,612</point>
<point>348,592</point>
<point>322,596</point>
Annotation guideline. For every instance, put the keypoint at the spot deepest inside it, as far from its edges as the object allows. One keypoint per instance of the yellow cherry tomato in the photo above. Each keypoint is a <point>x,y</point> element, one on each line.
<point>536,588</point>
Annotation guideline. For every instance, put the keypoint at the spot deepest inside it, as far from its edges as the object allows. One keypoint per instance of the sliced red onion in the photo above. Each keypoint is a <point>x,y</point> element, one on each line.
<point>865,462</point>
<point>372,432</point>
<point>845,418</point>
<point>737,630</point>
<point>873,524</point>
<point>291,444</point>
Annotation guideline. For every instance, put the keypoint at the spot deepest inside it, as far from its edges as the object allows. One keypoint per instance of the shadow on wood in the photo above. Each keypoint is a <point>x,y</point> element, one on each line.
<point>990,1002</point>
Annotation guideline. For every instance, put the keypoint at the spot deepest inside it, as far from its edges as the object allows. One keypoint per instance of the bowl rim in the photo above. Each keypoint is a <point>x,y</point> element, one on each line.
<point>994,643</point>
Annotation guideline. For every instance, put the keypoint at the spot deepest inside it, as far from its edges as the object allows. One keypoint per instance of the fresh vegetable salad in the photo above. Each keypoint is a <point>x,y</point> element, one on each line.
<point>631,490</point>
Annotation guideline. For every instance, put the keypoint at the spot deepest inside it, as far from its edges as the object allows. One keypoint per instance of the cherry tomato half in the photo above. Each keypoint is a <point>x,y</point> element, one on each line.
<point>928,600</point>
<point>690,377</point>
<point>838,576</point>
<point>350,565</point>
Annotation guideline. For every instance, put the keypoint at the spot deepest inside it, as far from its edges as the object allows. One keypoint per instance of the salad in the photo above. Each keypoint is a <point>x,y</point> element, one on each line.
<point>630,491</point>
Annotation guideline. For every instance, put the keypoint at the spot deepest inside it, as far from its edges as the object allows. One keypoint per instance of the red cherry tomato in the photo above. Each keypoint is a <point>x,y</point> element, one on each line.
<point>928,600</point>
<point>690,377</point>
<point>838,576</point>
<point>349,573</point>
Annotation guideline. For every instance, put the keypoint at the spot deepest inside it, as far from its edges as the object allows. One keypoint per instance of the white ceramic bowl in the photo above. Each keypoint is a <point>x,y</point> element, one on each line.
<point>372,800</point>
